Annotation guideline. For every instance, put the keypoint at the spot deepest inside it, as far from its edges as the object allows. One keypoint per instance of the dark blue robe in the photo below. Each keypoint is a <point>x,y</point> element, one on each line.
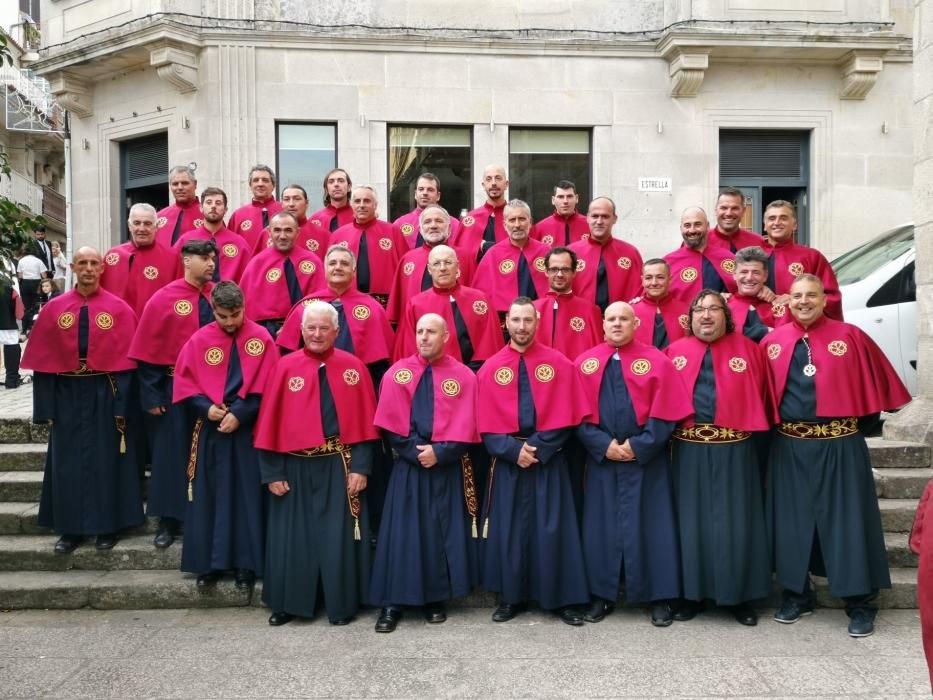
<point>531,540</point>
<point>426,552</point>
<point>629,526</point>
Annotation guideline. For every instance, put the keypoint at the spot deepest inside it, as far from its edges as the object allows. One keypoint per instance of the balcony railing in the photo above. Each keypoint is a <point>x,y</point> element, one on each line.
<point>53,205</point>
<point>24,191</point>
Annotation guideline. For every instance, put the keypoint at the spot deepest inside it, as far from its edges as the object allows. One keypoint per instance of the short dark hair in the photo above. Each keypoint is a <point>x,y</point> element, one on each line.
<point>324,182</point>
<point>730,323</point>
<point>429,176</point>
<point>296,186</point>
<point>522,301</point>
<point>259,167</point>
<point>227,295</point>
<point>565,185</point>
<point>656,261</point>
<point>561,250</point>
<point>213,192</point>
<point>280,214</point>
<point>730,192</point>
<point>752,253</point>
<point>198,246</point>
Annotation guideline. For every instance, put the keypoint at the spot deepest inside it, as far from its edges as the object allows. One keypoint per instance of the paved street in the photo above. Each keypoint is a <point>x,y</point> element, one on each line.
<point>16,403</point>
<point>234,653</point>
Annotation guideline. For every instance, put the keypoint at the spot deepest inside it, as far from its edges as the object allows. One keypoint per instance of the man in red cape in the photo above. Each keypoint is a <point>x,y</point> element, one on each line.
<point>788,259</point>
<point>484,226</point>
<point>250,219</point>
<point>277,278</point>
<point>377,245</point>
<point>566,322</point>
<point>728,233</point>
<point>717,480</point>
<point>311,236</point>
<point>697,265</point>
<point>220,375</point>
<point>315,433</point>
<point>427,410</point>
<point>566,225</point>
<point>753,316</point>
<point>921,543</point>
<point>608,268</point>
<point>171,317</point>
<point>475,333</point>
<point>185,214</point>
<point>828,377</point>
<point>412,275</point>
<point>82,378</point>
<point>232,252</point>
<point>532,401</point>
<point>662,317</point>
<point>137,269</point>
<point>633,400</point>
<point>427,194</point>
<point>337,211</point>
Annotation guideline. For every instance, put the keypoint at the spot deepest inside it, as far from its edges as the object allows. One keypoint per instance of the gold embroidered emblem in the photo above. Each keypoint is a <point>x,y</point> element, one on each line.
<point>198,223</point>
<point>246,225</point>
<point>296,384</point>
<point>679,362</point>
<point>837,348</point>
<point>230,250</point>
<point>402,376</point>
<point>214,356</point>
<point>316,222</point>
<point>504,376</point>
<point>506,266</point>
<point>255,347</point>
<point>104,321</point>
<point>774,350</point>
<point>345,244</point>
<point>640,367</point>
<point>351,377</point>
<point>468,221</point>
<point>161,221</point>
<point>778,310</point>
<point>728,265</point>
<point>407,229</point>
<point>112,258</point>
<point>273,275</point>
<point>183,307</point>
<point>451,387</point>
<point>307,267</point>
<point>307,302</point>
<point>480,307</point>
<point>688,274</point>
<point>796,269</point>
<point>544,373</point>
<point>66,320</point>
<point>589,365</point>
<point>624,262</point>
<point>150,272</point>
<point>360,312</point>
<point>312,245</point>
<point>737,364</point>
<point>684,321</point>
<point>408,268</point>
<point>385,243</point>
<point>581,265</point>
<point>585,237</point>
<point>548,239</point>
<point>577,324</point>
<point>539,264</point>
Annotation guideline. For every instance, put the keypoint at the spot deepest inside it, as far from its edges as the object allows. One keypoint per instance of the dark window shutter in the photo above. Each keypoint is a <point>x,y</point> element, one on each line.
<point>761,153</point>
<point>146,159</point>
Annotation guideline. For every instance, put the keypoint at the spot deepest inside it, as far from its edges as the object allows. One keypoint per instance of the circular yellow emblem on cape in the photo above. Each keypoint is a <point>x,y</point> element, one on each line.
<point>548,239</point>
<point>504,376</point>
<point>183,307</point>
<point>112,258</point>
<point>480,307</point>
<point>246,225</point>
<point>312,245</point>
<point>385,243</point>
<point>198,223</point>
<point>585,237</point>
<point>214,356</point>
<point>728,265</point>
<point>407,229</point>
<point>838,348</point>
<point>230,250</point>
<point>773,351</point>
<point>581,265</point>
<point>506,266</point>
<point>268,242</point>
<point>273,275</point>
<point>307,267</point>
<point>624,262</point>
<point>737,364</point>
<point>307,302</point>
<point>679,362</point>
<point>161,221</point>
<point>408,268</point>
<point>360,312</point>
<point>468,221</point>
<point>104,321</point>
<point>345,244</point>
<point>589,365</point>
<point>544,372</point>
<point>684,321</point>
<point>577,324</point>
<point>402,376</point>
<point>351,377</point>
<point>778,310</point>
<point>451,387</point>
<point>255,347</point>
<point>66,320</point>
<point>316,222</point>
<point>150,272</point>
<point>296,383</point>
<point>641,367</point>
<point>539,264</point>
<point>796,269</point>
<point>688,274</point>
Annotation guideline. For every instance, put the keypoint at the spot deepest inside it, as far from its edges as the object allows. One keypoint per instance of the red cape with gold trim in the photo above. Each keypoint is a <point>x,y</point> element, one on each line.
<point>232,251</point>
<point>551,230</point>
<point>170,318</point>
<point>473,225</point>
<point>497,272</point>
<point>408,224</point>
<point>687,270</point>
<point>792,260</point>
<point>168,217</point>
<point>407,280</point>
<point>623,269</point>
<point>247,220</point>
<point>772,315</point>
<point>311,237</point>
<point>385,245</point>
<point>153,267</point>
<point>743,238</point>
<point>676,313</point>
<point>322,217</point>
<point>266,288</point>
<point>579,323</point>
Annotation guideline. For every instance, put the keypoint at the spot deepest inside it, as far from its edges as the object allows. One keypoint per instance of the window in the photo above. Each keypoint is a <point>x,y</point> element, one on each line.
<point>143,174</point>
<point>305,153</point>
<point>444,151</point>
<point>538,158</point>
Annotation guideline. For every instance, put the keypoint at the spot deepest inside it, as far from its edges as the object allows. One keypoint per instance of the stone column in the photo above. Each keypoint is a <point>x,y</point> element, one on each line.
<point>915,423</point>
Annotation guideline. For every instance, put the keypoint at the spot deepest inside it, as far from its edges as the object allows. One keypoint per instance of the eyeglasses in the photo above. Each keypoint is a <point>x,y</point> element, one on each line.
<point>703,310</point>
<point>559,270</point>
<point>442,263</point>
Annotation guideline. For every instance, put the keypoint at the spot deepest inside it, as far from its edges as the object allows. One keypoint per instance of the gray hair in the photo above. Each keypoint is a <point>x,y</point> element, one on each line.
<point>366,187</point>
<point>337,248</point>
<point>517,204</point>
<point>752,253</point>
<point>142,206</point>
<point>259,167</point>
<point>437,207</point>
<point>183,170</point>
<point>320,307</point>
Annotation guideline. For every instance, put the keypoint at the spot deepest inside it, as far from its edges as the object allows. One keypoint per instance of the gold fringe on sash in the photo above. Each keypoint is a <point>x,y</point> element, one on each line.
<point>193,456</point>
<point>469,490</point>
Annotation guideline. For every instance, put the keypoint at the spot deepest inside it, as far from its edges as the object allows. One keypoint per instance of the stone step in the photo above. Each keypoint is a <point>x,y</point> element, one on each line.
<point>20,486</point>
<point>22,429</point>
<point>897,514</point>
<point>899,554</point>
<point>20,519</point>
<point>26,456</point>
<point>901,483</point>
<point>896,454</point>
<point>36,553</point>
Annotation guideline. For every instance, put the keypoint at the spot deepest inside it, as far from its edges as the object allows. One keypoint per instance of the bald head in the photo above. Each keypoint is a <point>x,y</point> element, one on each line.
<point>87,267</point>
<point>443,266</point>
<point>694,228</point>
<point>431,336</point>
<point>495,183</point>
<point>86,250</point>
<point>619,324</point>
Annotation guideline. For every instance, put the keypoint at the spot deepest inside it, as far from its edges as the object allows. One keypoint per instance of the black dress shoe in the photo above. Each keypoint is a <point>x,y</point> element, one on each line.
<point>343,621</point>
<point>598,610</point>
<point>687,610</point>
<point>105,542</point>
<point>245,578</point>
<point>388,619</point>
<point>661,615</point>
<point>209,579</point>
<point>166,534</point>
<point>277,619</point>
<point>506,611</point>
<point>435,613</point>
<point>67,544</point>
<point>745,614</point>
<point>571,616</point>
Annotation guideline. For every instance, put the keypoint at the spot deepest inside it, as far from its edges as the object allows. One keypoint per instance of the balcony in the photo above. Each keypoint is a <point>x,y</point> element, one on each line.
<point>29,103</point>
<point>20,189</point>
<point>53,207</point>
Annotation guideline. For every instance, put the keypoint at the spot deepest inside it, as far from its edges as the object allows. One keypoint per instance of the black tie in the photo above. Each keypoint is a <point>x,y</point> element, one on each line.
<point>216,276</point>
<point>602,284</point>
<point>234,376</point>
<point>334,224</point>
<point>659,336</point>
<point>362,265</point>
<point>489,233</point>
<point>265,218</point>
<point>463,335</point>
<point>129,265</point>
<point>177,232</point>
<point>554,324</point>
<point>526,286</point>
<point>291,279</point>
<point>329,425</point>
<point>426,281</point>
<point>84,325</point>
<point>205,313</point>
<point>419,241</point>
<point>527,416</point>
<point>771,282</point>
<point>566,233</point>
<point>344,340</point>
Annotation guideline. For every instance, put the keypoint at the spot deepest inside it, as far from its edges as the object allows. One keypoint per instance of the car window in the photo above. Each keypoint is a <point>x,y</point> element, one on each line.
<point>897,290</point>
<point>857,264</point>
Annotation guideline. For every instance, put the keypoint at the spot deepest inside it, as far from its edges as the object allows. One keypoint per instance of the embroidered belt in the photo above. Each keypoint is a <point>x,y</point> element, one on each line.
<point>383,299</point>
<point>193,456</point>
<point>843,427</point>
<point>333,446</point>
<point>469,491</point>
<point>82,371</point>
<point>170,370</point>
<point>709,433</point>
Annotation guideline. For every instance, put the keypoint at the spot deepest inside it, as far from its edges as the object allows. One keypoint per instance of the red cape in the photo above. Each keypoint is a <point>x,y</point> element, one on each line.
<point>408,274</point>
<point>232,251</point>
<point>53,343</point>
<point>322,217</point>
<point>676,313</point>
<point>385,246</point>
<point>497,272</point>
<point>454,398</point>
<point>623,269</point>
<point>203,361</point>
<point>168,217</point>
<point>369,328</point>
<point>266,288</point>
<point>552,232</point>
<point>478,315</point>
<point>290,414</point>
<point>853,377</point>
<point>409,224</point>
<point>311,237</point>
<point>170,318</point>
<point>153,268</point>
<point>743,238</point>
<point>579,323</point>
<point>473,225</point>
<point>743,395</point>
<point>558,397</point>
<point>687,270</point>
<point>771,315</point>
<point>247,220</point>
<point>653,385</point>
<point>792,260</point>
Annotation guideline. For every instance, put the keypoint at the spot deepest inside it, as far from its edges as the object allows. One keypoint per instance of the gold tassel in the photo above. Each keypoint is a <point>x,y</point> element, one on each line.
<point>486,528</point>
<point>190,491</point>
<point>474,528</point>
<point>356,529</point>
<point>122,444</point>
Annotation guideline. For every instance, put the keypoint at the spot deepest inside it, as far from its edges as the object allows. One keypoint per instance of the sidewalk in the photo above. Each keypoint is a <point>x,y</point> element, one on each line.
<point>234,653</point>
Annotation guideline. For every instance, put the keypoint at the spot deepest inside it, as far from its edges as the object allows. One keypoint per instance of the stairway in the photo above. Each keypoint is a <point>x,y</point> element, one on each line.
<point>136,575</point>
